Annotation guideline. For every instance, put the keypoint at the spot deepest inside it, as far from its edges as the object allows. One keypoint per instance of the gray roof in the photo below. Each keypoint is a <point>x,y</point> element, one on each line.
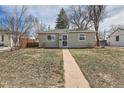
<point>5,31</point>
<point>67,30</point>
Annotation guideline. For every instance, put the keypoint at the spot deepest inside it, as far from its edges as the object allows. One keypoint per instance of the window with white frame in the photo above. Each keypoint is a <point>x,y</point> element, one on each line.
<point>51,37</point>
<point>82,37</point>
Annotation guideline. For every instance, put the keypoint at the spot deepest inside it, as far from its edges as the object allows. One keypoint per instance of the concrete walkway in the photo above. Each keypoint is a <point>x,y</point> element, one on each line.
<point>73,75</point>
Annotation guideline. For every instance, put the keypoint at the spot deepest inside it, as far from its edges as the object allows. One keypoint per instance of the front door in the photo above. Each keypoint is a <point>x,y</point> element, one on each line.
<point>64,40</point>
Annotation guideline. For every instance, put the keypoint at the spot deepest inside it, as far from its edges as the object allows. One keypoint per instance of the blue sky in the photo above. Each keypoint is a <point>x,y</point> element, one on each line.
<point>115,17</point>
<point>48,14</point>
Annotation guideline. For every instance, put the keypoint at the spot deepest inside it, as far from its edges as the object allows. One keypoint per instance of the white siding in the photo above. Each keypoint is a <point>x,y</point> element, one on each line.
<point>44,42</point>
<point>112,40</point>
<point>6,41</point>
<point>73,40</point>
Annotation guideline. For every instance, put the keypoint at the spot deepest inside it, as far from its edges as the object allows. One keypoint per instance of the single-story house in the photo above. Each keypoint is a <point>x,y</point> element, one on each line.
<point>5,38</point>
<point>116,38</point>
<point>65,38</point>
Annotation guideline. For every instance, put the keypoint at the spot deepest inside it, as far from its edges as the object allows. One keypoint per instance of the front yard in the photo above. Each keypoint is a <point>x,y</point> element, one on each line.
<point>32,68</point>
<point>44,67</point>
<point>102,67</point>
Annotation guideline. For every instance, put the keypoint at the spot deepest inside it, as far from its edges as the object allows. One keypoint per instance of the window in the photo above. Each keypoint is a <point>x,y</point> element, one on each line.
<point>51,37</point>
<point>1,44</point>
<point>64,43</point>
<point>117,38</point>
<point>2,38</point>
<point>82,37</point>
<point>64,37</point>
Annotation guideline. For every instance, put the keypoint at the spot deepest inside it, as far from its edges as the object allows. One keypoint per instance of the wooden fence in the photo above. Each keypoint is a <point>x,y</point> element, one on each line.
<point>32,44</point>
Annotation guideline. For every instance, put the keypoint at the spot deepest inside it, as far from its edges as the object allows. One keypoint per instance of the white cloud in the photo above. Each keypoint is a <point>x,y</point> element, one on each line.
<point>116,18</point>
<point>47,13</point>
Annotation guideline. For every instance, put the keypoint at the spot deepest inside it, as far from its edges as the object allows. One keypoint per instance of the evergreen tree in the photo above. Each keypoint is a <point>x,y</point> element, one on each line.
<point>62,20</point>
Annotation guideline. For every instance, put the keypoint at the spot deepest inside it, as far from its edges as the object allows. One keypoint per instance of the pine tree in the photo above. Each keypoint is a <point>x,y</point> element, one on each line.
<point>62,20</point>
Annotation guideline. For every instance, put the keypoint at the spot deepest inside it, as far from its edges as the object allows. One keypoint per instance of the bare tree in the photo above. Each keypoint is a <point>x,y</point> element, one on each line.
<point>39,26</point>
<point>102,35</point>
<point>19,23</point>
<point>79,17</point>
<point>113,28</point>
<point>96,14</point>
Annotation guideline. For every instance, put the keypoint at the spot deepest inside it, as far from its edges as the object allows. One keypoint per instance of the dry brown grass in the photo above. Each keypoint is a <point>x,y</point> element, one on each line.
<point>31,68</point>
<point>102,67</point>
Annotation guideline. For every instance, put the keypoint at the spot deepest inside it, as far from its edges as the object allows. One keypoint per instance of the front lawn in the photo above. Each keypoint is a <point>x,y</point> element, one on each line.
<point>102,67</point>
<point>31,68</point>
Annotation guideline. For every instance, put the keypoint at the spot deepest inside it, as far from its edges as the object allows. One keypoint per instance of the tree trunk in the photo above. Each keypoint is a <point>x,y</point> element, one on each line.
<point>97,36</point>
<point>20,42</point>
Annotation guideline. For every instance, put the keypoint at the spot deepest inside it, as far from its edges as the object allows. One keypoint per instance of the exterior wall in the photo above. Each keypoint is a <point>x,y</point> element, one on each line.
<point>73,40</point>
<point>112,40</point>
<point>44,42</point>
<point>6,41</point>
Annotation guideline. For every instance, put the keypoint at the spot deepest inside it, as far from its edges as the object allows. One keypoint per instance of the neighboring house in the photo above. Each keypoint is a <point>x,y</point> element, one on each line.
<point>116,38</point>
<point>67,38</point>
<point>6,38</point>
